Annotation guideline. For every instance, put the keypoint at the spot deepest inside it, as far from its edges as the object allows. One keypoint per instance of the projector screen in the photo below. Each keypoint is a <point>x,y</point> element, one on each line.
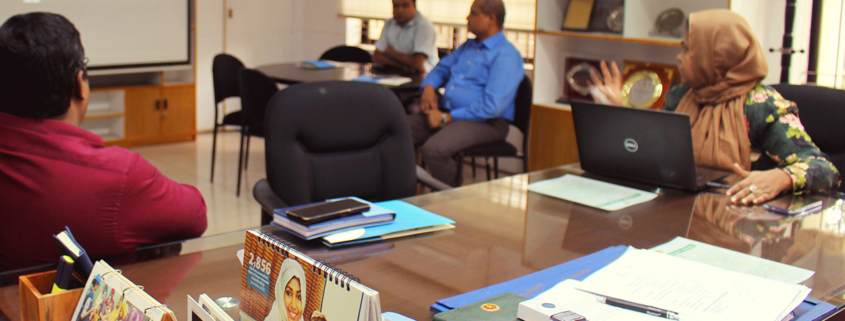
<point>121,33</point>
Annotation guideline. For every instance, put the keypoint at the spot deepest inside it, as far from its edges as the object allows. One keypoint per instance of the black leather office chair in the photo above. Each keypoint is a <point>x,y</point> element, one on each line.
<point>335,139</point>
<point>224,75</point>
<point>821,110</point>
<point>443,52</point>
<point>522,120</point>
<point>256,91</point>
<point>347,54</point>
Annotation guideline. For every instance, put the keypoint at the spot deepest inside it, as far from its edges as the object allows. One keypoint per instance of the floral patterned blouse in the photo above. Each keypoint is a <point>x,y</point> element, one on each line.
<point>775,131</point>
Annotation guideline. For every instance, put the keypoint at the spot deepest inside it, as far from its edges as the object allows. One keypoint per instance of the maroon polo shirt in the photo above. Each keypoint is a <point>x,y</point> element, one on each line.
<point>54,174</point>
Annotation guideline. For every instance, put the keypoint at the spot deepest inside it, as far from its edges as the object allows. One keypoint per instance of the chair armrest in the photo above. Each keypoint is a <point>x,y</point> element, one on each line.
<point>425,178</point>
<point>268,200</point>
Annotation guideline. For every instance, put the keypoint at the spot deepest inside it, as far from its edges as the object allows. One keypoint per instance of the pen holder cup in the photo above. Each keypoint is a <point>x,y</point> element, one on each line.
<point>38,304</point>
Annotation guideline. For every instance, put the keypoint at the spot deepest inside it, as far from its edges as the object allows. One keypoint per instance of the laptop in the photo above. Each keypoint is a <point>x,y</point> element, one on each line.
<point>649,146</point>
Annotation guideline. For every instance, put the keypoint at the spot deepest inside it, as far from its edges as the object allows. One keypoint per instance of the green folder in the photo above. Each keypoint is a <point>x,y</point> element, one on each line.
<point>498,308</point>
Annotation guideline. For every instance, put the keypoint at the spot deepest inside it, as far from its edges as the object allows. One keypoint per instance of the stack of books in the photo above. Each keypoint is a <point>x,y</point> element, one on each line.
<point>384,220</point>
<point>377,215</point>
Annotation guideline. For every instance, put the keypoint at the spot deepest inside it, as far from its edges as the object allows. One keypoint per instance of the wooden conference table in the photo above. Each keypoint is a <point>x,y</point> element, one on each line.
<point>503,232</point>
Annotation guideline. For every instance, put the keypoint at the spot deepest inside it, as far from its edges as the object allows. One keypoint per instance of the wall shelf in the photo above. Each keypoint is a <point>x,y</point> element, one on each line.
<point>609,37</point>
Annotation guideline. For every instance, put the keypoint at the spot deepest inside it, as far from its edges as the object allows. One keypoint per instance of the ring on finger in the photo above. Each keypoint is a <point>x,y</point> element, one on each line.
<point>752,188</point>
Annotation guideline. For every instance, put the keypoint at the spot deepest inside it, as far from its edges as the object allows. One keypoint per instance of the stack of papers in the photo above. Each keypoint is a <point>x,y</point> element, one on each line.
<point>734,261</point>
<point>384,80</point>
<point>694,290</point>
<point>319,64</point>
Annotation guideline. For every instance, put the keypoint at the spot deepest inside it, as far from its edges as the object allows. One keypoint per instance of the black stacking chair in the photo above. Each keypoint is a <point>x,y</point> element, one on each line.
<point>347,54</point>
<point>256,91</point>
<point>224,75</point>
<point>334,139</point>
<point>522,120</point>
<point>821,110</point>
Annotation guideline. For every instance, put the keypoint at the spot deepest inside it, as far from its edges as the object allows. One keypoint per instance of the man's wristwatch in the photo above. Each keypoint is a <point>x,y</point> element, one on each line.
<point>443,119</point>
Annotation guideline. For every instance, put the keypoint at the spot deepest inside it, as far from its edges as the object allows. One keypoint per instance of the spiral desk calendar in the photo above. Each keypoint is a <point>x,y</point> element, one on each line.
<point>280,283</point>
<point>108,295</point>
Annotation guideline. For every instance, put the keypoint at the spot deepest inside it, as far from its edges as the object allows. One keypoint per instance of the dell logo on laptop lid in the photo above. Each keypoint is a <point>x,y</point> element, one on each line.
<point>631,145</point>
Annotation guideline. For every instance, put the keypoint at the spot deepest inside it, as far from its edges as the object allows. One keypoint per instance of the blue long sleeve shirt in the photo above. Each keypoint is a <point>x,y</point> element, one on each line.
<point>481,79</point>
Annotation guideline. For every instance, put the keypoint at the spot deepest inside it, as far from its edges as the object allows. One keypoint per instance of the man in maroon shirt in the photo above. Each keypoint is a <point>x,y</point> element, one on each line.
<point>54,174</point>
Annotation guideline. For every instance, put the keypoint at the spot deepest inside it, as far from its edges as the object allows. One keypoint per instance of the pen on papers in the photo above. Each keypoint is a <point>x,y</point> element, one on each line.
<point>650,310</point>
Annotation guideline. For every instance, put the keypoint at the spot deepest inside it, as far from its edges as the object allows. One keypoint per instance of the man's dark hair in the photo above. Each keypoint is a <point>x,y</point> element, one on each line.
<point>495,8</point>
<point>40,57</point>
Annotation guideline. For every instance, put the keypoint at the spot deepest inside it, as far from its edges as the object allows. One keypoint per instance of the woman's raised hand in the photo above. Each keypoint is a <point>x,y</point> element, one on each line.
<point>612,86</point>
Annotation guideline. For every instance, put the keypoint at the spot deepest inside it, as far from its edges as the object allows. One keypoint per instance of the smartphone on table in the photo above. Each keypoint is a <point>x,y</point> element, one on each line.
<point>793,205</point>
<point>327,211</point>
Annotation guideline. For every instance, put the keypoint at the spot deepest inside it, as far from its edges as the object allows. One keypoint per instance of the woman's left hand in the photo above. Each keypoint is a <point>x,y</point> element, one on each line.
<point>757,187</point>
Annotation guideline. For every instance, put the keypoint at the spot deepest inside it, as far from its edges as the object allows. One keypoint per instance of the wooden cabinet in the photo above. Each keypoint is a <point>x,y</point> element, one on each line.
<point>552,141</point>
<point>159,114</point>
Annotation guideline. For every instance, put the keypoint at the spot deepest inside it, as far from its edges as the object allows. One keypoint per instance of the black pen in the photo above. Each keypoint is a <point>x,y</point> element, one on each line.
<point>650,310</point>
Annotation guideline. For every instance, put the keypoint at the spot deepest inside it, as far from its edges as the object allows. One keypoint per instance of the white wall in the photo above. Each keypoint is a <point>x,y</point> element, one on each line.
<point>209,24</point>
<point>766,18</point>
<point>295,30</point>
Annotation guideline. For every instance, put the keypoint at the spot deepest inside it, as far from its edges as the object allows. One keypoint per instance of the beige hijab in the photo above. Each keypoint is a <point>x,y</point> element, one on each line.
<point>725,62</point>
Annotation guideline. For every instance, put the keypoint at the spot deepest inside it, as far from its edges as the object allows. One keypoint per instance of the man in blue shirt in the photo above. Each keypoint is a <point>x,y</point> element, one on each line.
<point>480,79</point>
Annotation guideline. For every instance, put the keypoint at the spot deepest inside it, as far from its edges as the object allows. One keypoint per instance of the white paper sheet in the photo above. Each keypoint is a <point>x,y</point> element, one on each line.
<point>695,290</point>
<point>733,261</point>
<point>601,195</point>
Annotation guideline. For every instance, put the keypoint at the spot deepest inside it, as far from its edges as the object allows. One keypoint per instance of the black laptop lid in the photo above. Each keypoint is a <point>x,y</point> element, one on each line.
<point>637,144</point>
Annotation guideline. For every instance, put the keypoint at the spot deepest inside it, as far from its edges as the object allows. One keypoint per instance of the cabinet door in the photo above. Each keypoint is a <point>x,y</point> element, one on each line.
<point>143,112</point>
<point>179,110</point>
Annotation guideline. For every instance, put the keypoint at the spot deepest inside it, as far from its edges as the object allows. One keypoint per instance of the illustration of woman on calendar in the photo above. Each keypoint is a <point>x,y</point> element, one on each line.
<point>290,294</point>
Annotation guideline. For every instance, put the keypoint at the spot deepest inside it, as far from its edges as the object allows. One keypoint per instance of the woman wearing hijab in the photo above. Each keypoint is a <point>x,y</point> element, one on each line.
<point>290,293</point>
<point>734,116</point>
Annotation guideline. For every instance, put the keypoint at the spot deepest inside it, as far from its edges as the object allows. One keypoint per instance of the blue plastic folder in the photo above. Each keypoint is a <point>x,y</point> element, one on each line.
<point>538,282</point>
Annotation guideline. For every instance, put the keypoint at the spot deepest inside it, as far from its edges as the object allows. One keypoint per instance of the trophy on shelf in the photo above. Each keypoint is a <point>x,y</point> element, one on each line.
<point>608,16</point>
<point>576,85</point>
<point>645,84</point>
<point>669,23</point>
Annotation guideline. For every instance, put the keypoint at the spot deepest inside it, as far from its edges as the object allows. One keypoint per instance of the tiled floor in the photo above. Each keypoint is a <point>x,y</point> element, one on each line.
<point>190,163</point>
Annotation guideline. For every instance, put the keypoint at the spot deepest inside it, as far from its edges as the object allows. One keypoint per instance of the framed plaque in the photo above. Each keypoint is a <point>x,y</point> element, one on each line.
<point>576,82</point>
<point>645,84</point>
<point>608,16</point>
<point>578,14</point>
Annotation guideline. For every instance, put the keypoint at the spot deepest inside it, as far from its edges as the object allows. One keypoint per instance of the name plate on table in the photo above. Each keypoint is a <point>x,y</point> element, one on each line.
<point>645,84</point>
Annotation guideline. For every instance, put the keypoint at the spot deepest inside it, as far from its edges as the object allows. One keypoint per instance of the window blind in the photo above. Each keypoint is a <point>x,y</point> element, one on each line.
<point>519,14</point>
